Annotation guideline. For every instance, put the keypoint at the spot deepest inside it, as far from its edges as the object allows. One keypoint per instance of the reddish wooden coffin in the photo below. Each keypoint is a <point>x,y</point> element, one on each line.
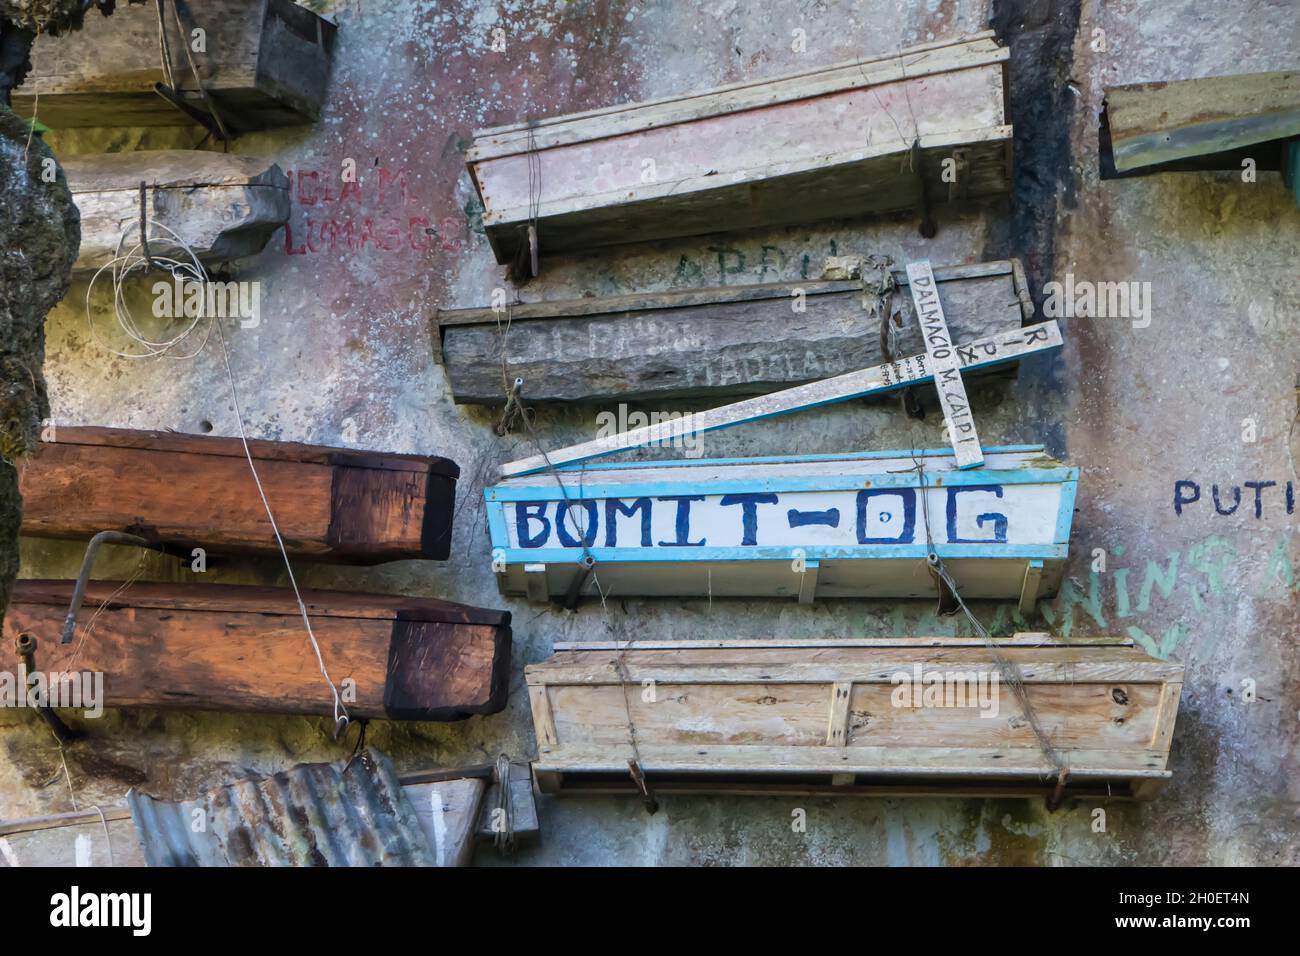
<point>331,504</point>
<point>229,647</point>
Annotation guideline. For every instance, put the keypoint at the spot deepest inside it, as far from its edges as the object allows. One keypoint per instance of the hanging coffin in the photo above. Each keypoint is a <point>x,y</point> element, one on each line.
<point>917,716</point>
<point>226,647</point>
<point>734,340</point>
<point>863,137</point>
<point>261,64</point>
<point>820,526</point>
<point>222,206</point>
<point>183,491</point>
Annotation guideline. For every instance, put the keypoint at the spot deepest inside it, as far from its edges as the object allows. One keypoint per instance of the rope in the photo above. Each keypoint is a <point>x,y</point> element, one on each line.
<point>341,718</point>
<point>1008,670</point>
<point>504,836</point>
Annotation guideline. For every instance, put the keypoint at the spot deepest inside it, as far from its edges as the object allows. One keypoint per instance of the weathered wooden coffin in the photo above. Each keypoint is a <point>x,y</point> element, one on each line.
<point>1200,124</point>
<point>852,716</point>
<point>184,491</point>
<point>222,206</point>
<point>733,340</point>
<point>827,143</point>
<point>236,648</point>
<point>266,64</point>
<point>818,526</point>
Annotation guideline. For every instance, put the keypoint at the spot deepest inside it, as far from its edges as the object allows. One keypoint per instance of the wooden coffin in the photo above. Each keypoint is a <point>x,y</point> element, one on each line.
<point>1208,123</point>
<point>222,206</point>
<point>331,504</point>
<point>265,64</point>
<point>734,340</point>
<point>827,143</point>
<point>817,526</point>
<point>845,716</point>
<point>228,647</point>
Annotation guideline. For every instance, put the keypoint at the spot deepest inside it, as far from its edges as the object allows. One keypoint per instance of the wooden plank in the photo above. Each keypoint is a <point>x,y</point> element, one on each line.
<point>1029,590</point>
<point>837,729</point>
<point>223,206</point>
<point>818,145</point>
<point>525,827</point>
<point>944,364</point>
<point>1023,638</point>
<point>730,340</point>
<point>224,647</point>
<point>892,376</point>
<point>266,64</point>
<point>186,491</point>
<point>447,812</point>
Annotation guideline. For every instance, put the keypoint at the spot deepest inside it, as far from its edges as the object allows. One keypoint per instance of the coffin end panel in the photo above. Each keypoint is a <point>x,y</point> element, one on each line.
<point>444,672</point>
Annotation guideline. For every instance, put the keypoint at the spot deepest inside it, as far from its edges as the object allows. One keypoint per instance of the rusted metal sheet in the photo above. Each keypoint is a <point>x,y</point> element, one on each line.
<point>1200,124</point>
<point>861,137</point>
<point>352,813</point>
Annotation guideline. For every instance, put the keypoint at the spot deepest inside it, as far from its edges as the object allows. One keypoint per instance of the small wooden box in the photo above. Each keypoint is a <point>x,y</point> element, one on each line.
<point>837,715</point>
<point>265,64</point>
<point>844,140</point>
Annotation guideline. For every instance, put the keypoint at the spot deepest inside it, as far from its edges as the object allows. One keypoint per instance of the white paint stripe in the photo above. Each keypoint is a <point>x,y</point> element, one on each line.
<point>439,827</point>
<point>945,365</point>
<point>81,847</point>
<point>8,853</point>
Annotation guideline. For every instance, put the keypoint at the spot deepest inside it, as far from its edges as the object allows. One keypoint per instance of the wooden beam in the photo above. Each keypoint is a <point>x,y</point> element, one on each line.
<point>915,370</point>
<point>1029,590</point>
<point>944,365</point>
<point>186,491</point>
<point>226,647</point>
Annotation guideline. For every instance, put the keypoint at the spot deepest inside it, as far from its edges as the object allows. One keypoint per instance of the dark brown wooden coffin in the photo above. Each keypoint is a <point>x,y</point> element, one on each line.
<point>331,504</point>
<point>266,64</point>
<point>228,647</point>
<point>734,340</point>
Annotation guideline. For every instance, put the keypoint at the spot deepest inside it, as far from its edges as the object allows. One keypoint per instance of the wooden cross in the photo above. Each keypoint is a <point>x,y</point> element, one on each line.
<point>914,370</point>
<point>945,365</point>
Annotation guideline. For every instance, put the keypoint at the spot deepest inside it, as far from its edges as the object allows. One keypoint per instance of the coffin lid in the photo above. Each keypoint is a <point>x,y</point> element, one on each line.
<point>261,450</point>
<point>169,169</point>
<point>686,298</point>
<point>225,598</point>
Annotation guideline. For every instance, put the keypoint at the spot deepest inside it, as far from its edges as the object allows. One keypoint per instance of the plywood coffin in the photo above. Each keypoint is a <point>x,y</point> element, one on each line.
<point>820,526</point>
<point>184,491</point>
<point>265,64</point>
<point>827,143</point>
<point>227,647</point>
<point>1212,122</point>
<point>221,205</point>
<point>852,716</point>
<point>733,340</point>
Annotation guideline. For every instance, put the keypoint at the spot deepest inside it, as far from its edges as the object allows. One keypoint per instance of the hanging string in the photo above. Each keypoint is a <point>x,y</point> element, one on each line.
<point>1008,670</point>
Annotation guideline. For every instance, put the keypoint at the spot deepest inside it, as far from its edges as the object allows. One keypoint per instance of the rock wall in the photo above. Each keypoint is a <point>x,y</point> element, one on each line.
<point>342,356</point>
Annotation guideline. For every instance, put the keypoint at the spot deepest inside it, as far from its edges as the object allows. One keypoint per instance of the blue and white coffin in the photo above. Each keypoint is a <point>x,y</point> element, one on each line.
<point>819,526</point>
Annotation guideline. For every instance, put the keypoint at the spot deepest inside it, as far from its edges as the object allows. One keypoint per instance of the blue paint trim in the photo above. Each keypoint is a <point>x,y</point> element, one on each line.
<point>547,490</point>
<point>1065,516</point>
<point>644,556</point>
<point>785,459</point>
<point>496,520</point>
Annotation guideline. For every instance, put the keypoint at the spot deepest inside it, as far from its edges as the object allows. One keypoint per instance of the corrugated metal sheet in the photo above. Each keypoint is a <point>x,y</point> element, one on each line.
<point>344,814</point>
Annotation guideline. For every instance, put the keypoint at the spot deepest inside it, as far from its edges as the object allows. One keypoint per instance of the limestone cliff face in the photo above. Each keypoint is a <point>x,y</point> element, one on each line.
<point>38,245</point>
